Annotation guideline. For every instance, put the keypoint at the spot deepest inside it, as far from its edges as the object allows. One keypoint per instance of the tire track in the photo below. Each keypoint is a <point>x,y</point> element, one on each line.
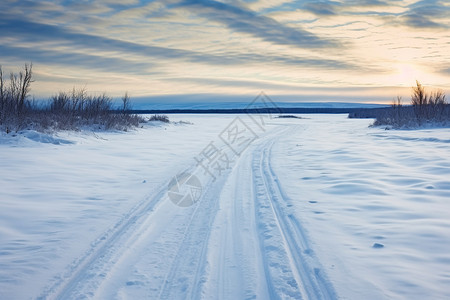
<point>94,262</point>
<point>286,263</point>
<point>280,280</point>
<point>232,272</point>
<point>293,271</point>
<point>181,282</point>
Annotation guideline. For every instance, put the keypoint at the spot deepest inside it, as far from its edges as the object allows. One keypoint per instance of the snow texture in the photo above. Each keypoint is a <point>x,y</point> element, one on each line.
<point>317,208</point>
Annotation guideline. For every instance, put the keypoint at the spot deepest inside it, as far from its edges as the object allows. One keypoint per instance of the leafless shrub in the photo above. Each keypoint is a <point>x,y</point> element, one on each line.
<point>80,109</point>
<point>397,102</point>
<point>126,104</point>
<point>14,97</point>
<point>162,118</point>
<point>64,111</point>
<point>2,91</point>
<point>426,108</point>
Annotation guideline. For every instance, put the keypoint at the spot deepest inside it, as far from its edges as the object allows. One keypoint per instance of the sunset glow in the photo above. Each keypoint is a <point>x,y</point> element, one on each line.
<point>405,75</point>
<point>365,51</point>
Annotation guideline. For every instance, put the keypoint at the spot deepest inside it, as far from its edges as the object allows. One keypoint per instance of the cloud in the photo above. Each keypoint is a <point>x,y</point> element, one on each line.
<point>260,5</point>
<point>226,82</point>
<point>151,10</point>
<point>166,46</point>
<point>322,8</point>
<point>369,3</point>
<point>71,59</point>
<point>121,2</point>
<point>331,8</point>
<point>242,20</point>
<point>445,71</point>
<point>417,20</point>
<point>427,14</point>
<point>38,33</point>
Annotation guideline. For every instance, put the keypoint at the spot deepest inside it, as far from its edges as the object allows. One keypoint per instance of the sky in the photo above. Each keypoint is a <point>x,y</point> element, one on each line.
<point>346,51</point>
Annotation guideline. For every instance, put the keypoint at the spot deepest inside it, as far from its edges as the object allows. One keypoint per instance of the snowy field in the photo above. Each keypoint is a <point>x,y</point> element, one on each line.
<point>316,208</point>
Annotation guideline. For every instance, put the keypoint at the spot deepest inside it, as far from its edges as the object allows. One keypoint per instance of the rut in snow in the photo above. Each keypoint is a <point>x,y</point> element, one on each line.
<point>239,241</point>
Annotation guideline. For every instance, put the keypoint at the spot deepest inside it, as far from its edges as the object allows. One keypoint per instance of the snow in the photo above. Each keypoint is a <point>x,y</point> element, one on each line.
<point>317,208</point>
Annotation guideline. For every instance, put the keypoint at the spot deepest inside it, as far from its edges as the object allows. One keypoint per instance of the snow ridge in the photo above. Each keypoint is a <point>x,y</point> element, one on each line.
<point>290,265</point>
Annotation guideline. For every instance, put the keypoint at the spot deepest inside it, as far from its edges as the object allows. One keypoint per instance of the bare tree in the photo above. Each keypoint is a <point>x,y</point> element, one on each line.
<point>437,98</point>
<point>126,103</point>
<point>397,102</point>
<point>437,104</point>
<point>26,80</point>
<point>419,100</point>
<point>2,92</point>
<point>19,87</point>
<point>2,97</point>
<point>418,97</point>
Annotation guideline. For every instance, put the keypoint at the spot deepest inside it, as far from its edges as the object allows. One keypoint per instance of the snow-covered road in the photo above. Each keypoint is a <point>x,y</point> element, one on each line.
<point>94,219</point>
<point>239,241</point>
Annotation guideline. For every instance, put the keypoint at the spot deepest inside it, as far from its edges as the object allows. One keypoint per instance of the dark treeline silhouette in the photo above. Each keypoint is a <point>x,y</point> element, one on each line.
<point>264,110</point>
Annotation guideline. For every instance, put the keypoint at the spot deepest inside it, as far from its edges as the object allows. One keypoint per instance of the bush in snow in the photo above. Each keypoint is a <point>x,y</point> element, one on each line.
<point>426,109</point>
<point>162,118</point>
<point>63,111</point>
<point>78,109</point>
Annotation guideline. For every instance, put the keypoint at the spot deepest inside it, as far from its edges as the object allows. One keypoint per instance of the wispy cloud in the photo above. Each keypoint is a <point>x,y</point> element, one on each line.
<point>418,14</point>
<point>427,14</point>
<point>72,59</point>
<point>38,33</point>
<point>322,8</point>
<point>331,8</point>
<point>226,46</point>
<point>240,19</point>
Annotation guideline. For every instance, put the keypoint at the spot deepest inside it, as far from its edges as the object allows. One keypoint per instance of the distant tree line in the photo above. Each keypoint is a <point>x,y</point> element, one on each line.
<point>271,111</point>
<point>64,111</point>
<point>425,109</point>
